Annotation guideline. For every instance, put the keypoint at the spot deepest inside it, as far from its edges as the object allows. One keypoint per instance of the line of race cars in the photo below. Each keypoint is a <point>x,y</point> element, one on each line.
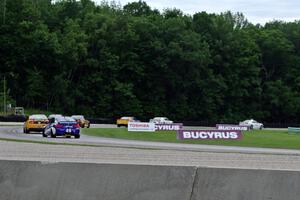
<point>123,121</point>
<point>59,125</point>
<point>56,125</point>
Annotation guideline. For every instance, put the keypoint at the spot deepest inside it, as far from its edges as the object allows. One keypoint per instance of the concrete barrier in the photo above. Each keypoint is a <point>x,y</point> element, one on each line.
<point>22,180</point>
<point>244,184</point>
<point>11,123</point>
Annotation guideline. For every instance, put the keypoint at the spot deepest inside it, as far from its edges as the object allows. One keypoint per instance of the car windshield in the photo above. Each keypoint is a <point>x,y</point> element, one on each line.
<point>65,119</point>
<point>55,116</point>
<point>38,117</point>
<point>126,118</point>
<point>77,117</point>
<point>158,118</point>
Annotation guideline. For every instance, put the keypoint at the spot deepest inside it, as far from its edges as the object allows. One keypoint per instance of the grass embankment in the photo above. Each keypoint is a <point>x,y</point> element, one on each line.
<point>256,138</point>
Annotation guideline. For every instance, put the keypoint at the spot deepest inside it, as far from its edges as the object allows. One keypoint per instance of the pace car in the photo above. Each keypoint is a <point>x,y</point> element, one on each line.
<point>62,126</point>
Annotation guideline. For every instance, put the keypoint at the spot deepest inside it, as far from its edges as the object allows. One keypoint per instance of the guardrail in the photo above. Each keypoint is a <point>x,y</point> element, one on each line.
<point>12,118</point>
<point>293,130</point>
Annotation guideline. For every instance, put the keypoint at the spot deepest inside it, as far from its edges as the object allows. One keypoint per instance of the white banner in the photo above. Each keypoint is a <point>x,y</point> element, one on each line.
<point>141,126</point>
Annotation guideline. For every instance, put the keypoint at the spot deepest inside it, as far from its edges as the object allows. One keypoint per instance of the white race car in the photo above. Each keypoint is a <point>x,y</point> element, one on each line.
<point>161,120</point>
<point>252,124</point>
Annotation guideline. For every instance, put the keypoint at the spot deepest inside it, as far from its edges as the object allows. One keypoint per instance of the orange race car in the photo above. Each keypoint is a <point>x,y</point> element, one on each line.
<point>82,122</point>
<point>123,121</point>
<point>35,123</point>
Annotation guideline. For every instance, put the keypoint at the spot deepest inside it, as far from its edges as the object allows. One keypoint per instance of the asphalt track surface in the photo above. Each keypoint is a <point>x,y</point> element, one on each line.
<point>118,151</point>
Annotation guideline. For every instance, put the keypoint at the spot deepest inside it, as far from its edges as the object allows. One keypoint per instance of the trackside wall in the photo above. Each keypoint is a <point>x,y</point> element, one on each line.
<point>21,180</point>
<point>244,184</point>
<point>24,180</point>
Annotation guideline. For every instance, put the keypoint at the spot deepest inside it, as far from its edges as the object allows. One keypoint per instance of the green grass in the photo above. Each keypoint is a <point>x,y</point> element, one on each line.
<point>256,138</point>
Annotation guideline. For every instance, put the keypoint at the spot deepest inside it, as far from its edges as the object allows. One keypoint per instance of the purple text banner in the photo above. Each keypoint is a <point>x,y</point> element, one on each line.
<point>209,134</point>
<point>168,127</point>
<point>232,127</point>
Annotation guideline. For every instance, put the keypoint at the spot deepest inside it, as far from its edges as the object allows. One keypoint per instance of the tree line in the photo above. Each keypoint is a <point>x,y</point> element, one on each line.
<point>108,60</point>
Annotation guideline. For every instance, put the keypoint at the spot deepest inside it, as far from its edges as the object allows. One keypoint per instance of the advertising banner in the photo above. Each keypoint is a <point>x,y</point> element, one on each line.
<point>209,134</point>
<point>141,126</point>
<point>168,127</point>
<point>232,127</point>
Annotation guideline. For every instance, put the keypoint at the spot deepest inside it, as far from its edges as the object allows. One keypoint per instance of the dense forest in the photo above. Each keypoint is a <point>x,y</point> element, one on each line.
<point>108,60</point>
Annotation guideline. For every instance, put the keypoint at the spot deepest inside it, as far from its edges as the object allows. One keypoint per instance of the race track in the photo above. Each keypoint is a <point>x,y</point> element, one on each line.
<point>117,151</point>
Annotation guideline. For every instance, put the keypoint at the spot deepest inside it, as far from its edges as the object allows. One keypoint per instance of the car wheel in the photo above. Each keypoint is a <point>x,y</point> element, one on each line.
<point>82,126</point>
<point>77,136</point>
<point>68,136</point>
<point>88,126</point>
<point>261,127</point>
<point>52,135</point>
<point>251,127</point>
<point>27,130</point>
<point>43,133</point>
<point>118,125</point>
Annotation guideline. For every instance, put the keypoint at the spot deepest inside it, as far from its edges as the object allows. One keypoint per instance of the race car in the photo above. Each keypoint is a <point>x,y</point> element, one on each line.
<point>82,122</point>
<point>123,121</point>
<point>161,120</point>
<point>36,123</point>
<point>62,126</point>
<point>252,124</point>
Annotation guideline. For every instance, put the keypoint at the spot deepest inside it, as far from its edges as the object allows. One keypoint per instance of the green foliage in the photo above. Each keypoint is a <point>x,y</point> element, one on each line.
<point>107,61</point>
<point>138,8</point>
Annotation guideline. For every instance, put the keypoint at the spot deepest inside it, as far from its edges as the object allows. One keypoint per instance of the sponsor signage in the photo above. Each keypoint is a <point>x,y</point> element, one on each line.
<point>232,127</point>
<point>168,127</point>
<point>209,134</point>
<point>141,126</point>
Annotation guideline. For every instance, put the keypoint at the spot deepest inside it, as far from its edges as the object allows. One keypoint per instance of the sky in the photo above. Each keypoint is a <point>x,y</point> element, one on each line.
<point>256,11</point>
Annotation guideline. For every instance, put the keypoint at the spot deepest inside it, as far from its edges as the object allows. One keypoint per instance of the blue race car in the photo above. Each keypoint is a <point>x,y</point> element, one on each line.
<point>62,126</point>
